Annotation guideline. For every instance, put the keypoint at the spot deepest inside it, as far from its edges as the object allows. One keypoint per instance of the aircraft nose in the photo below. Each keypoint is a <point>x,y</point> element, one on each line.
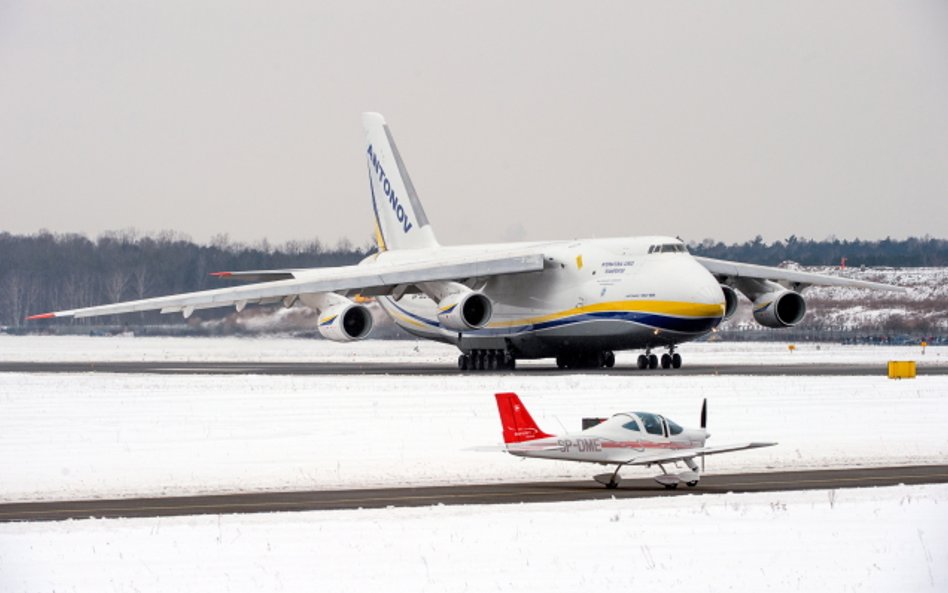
<point>695,284</point>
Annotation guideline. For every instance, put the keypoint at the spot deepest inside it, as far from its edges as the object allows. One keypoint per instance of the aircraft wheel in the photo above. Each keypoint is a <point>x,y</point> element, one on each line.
<point>671,486</point>
<point>491,362</point>
<point>642,361</point>
<point>560,362</point>
<point>609,359</point>
<point>692,483</point>
<point>612,485</point>
<point>652,361</point>
<point>478,360</point>
<point>510,363</point>
<point>666,361</point>
<point>464,362</point>
<point>676,360</point>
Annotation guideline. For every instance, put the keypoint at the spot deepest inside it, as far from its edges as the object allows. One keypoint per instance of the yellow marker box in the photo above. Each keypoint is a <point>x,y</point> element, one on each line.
<point>901,369</point>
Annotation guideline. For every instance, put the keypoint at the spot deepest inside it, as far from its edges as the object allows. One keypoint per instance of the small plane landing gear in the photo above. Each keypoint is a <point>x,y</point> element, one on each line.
<point>691,484</point>
<point>487,360</point>
<point>610,481</point>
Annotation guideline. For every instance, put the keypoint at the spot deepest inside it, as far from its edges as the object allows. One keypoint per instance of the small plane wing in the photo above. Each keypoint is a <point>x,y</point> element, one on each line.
<point>380,278</point>
<point>726,270</point>
<point>679,454</point>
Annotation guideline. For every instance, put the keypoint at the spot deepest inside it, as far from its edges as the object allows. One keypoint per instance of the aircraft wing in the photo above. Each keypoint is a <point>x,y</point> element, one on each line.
<point>727,270</point>
<point>378,278</point>
<point>667,456</point>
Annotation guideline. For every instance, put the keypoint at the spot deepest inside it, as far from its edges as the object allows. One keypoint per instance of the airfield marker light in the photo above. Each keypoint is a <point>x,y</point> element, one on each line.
<point>791,348</point>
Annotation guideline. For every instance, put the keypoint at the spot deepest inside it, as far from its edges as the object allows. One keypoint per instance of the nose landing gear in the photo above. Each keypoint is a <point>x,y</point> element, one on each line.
<point>670,360</point>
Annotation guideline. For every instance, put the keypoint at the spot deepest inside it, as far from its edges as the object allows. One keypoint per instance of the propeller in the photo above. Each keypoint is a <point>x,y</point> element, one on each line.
<point>704,425</point>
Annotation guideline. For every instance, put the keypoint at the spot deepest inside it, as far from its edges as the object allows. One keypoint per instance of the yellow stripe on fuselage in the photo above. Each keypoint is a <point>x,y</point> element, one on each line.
<point>671,308</point>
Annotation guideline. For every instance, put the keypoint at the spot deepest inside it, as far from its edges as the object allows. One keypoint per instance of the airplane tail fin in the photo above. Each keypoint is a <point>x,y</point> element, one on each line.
<point>516,420</point>
<point>400,220</point>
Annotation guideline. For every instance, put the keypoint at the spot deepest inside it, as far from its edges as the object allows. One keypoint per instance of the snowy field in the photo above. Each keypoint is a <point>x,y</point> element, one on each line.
<point>88,435</point>
<point>874,539</point>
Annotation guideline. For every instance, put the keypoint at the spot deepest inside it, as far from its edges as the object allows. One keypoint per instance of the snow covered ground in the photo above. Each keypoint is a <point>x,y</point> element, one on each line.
<point>99,435</point>
<point>873,539</point>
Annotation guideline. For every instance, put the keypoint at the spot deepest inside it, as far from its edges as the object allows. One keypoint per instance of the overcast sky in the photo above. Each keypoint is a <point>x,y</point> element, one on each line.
<point>517,120</point>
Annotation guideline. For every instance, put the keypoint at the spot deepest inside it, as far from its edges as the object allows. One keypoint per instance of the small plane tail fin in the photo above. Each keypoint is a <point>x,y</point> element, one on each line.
<point>516,420</point>
<point>400,220</point>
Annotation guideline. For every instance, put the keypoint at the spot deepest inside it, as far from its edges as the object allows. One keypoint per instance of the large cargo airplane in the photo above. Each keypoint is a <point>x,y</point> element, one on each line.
<point>576,301</point>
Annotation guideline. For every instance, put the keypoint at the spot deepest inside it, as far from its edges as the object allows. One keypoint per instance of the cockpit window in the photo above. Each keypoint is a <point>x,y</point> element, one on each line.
<point>631,425</point>
<point>651,422</point>
<point>667,248</point>
<point>672,427</point>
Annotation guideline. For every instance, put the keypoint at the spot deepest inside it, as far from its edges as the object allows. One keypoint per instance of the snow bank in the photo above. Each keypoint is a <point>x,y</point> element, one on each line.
<point>873,539</point>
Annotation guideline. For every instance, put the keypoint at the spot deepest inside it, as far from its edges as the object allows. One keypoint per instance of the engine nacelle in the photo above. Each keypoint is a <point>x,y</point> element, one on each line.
<point>730,301</point>
<point>464,310</point>
<point>345,322</point>
<point>779,309</point>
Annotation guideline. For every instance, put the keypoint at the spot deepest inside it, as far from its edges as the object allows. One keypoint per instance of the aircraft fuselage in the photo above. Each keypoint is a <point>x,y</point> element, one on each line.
<point>598,294</point>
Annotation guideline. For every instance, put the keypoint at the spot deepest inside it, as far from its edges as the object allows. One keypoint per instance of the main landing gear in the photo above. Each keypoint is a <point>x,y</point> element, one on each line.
<point>487,360</point>
<point>690,477</point>
<point>587,360</point>
<point>670,360</point>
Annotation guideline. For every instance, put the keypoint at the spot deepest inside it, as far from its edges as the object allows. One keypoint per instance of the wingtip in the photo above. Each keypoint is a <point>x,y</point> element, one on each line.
<point>41,316</point>
<point>222,274</point>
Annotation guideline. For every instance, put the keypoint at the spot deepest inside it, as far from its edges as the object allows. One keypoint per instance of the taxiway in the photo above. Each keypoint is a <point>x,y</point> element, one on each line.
<point>508,493</point>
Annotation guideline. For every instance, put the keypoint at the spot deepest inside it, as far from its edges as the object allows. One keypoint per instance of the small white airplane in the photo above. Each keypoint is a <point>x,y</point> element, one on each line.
<point>628,438</point>
<point>576,301</point>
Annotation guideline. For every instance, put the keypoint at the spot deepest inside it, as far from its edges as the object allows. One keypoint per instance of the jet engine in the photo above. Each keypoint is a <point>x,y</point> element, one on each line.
<point>730,301</point>
<point>776,309</point>
<point>345,322</point>
<point>464,310</point>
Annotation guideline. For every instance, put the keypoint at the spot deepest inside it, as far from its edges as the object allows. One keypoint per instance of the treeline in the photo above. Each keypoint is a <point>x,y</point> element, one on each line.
<point>912,252</point>
<point>50,272</point>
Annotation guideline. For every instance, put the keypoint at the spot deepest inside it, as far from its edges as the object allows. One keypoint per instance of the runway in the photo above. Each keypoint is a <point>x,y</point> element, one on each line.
<point>268,502</point>
<point>445,369</point>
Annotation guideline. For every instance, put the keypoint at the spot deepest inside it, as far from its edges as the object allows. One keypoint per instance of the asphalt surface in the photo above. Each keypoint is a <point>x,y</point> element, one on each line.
<point>267,502</point>
<point>372,368</point>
